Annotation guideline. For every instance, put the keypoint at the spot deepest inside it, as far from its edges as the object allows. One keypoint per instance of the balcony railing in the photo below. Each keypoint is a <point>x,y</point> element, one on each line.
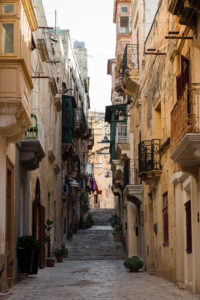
<point>185,118</point>
<point>121,134</point>
<point>130,58</point>
<point>37,130</point>
<point>149,156</point>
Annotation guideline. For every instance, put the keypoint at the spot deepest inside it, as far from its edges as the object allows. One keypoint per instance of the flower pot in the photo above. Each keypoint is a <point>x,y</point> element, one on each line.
<point>50,262</point>
<point>59,258</point>
<point>35,262</point>
<point>25,260</point>
<point>117,238</point>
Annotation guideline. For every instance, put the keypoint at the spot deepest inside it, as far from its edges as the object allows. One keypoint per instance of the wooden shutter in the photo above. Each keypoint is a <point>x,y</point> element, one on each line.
<point>188,227</point>
<point>165,220</point>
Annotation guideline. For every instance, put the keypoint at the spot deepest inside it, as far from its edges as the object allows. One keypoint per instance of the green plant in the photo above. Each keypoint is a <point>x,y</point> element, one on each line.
<point>29,242</point>
<point>58,252</point>
<point>84,203</point>
<point>115,220</point>
<point>89,220</point>
<point>133,264</point>
<point>64,252</point>
<point>48,227</point>
<point>61,252</point>
<point>117,230</point>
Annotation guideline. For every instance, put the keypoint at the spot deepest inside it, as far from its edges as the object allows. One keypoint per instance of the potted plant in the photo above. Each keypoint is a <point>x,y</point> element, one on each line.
<point>89,220</point>
<point>48,226</point>
<point>84,208</point>
<point>61,253</point>
<point>117,233</point>
<point>28,252</point>
<point>115,220</point>
<point>133,264</point>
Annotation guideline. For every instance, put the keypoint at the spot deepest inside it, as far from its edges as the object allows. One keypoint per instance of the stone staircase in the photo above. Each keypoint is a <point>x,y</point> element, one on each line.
<point>101,216</point>
<point>96,243</point>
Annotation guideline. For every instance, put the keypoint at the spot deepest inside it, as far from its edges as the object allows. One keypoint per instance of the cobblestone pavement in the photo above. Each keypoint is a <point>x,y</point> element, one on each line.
<point>96,279</point>
<point>93,272</point>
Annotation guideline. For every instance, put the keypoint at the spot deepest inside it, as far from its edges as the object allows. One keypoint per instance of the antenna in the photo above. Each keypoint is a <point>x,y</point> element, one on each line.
<point>55,20</point>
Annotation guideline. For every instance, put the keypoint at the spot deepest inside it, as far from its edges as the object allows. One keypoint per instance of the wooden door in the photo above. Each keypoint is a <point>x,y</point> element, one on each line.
<point>42,235</point>
<point>10,221</point>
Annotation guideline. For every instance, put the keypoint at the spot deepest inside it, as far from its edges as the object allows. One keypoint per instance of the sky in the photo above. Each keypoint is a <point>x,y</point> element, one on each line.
<point>90,21</point>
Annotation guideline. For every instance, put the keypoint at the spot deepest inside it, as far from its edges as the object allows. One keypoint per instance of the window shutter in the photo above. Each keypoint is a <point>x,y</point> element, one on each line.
<point>188,227</point>
<point>165,220</point>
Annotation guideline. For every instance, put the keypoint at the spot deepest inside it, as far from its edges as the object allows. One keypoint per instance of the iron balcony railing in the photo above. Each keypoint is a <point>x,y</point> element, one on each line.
<point>37,130</point>
<point>149,155</point>
<point>130,58</point>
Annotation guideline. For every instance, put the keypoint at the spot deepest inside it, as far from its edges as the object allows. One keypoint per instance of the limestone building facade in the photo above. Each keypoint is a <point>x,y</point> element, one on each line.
<point>158,75</point>
<point>44,133</point>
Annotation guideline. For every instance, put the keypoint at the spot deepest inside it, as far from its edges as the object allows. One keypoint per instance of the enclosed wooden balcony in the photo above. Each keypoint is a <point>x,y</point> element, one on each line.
<point>130,66</point>
<point>32,147</point>
<point>149,159</point>
<point>185,130</point>
<point>122,142</point>
<point>15,67</point>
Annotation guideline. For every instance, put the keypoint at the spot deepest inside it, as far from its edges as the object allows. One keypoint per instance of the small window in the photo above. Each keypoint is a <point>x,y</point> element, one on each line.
<point>8,38</point>
<point>8,9</point>
<point>124,25</point>
<point>124,9</point>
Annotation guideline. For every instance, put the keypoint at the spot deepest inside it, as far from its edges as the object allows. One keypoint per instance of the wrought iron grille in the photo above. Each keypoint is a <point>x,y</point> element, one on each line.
<point>130,58</point>
<point>149,156</point>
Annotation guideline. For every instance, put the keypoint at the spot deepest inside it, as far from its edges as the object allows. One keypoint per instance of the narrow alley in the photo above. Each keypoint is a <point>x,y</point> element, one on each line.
<point>94,270</point>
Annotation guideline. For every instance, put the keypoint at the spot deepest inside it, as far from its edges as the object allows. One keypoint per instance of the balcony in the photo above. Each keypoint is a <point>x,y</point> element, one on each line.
<point>130,66</point>
<point>80,121</point>
<point>32,149</point>
<point>122,145</point>
<point>91,139</point>
<point>187,11</point>
<point>185,130</point>
<point>118,173</point>
<point>149,159</point>
<point>74,167</point>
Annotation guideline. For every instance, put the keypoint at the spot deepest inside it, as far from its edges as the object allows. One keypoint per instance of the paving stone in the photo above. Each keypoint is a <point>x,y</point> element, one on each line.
<point>95,279</point>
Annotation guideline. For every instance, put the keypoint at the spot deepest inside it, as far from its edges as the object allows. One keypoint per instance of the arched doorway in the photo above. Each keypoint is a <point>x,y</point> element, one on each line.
<point>38,223</point>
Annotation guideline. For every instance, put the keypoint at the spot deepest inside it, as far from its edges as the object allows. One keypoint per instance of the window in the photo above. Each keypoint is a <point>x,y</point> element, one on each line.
<point>124,25</point>
<point>8,38</point>
<point>124,9</point>
<point>8,9</point>
<point>183,78</point>
<point>165,220</point>
<point>188,227</point>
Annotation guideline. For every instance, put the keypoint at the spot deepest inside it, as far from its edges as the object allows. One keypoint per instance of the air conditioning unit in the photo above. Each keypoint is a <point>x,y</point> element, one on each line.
<point>73,182</point>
